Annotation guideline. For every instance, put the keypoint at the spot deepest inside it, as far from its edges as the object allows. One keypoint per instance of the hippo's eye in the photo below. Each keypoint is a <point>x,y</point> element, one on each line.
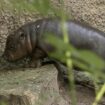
<point>12,47</point>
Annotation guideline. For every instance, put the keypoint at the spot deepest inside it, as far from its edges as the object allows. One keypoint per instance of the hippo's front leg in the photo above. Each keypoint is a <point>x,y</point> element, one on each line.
<point>37,58</point>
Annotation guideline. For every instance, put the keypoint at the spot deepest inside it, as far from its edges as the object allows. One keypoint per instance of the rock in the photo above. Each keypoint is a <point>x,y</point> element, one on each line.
<point>27,86</point>
<point>30,87</point>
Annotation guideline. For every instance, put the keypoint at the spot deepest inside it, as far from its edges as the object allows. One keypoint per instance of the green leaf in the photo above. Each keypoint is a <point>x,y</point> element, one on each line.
<point>85,57</point>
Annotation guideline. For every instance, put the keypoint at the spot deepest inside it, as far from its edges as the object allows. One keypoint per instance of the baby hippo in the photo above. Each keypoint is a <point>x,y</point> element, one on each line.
<point>29,39</point>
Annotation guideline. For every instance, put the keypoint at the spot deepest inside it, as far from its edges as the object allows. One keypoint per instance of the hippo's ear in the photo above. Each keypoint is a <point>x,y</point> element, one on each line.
<point>21,35</point>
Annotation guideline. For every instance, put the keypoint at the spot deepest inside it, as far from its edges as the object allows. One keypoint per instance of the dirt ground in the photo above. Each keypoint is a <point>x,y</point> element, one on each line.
<point>84,94</point>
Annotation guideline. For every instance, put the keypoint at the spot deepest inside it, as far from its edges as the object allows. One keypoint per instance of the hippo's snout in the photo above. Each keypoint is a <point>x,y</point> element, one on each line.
<point>8,56</point>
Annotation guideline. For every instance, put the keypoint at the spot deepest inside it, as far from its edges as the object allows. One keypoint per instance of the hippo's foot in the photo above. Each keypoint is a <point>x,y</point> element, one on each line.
<point>34,64</point>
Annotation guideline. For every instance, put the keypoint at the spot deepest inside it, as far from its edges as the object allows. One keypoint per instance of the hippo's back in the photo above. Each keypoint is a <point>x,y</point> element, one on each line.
<point>80,35</point>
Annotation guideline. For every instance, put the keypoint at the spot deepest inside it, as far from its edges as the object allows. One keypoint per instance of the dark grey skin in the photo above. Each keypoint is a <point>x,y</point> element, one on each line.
<point>28,40</point>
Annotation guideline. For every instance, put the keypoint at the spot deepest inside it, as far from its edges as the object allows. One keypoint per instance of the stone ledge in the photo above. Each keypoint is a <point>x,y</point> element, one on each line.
<point>30,87</point>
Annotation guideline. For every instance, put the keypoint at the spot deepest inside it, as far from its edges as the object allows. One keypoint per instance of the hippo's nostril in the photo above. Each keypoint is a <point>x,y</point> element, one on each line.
<point>3,55</point>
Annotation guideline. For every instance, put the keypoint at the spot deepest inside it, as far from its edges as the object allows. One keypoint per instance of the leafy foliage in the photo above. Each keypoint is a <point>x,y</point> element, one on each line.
<point>84,59</point>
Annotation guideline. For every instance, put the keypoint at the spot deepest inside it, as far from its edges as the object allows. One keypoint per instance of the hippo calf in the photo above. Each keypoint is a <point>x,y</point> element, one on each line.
<point>28,40</point>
